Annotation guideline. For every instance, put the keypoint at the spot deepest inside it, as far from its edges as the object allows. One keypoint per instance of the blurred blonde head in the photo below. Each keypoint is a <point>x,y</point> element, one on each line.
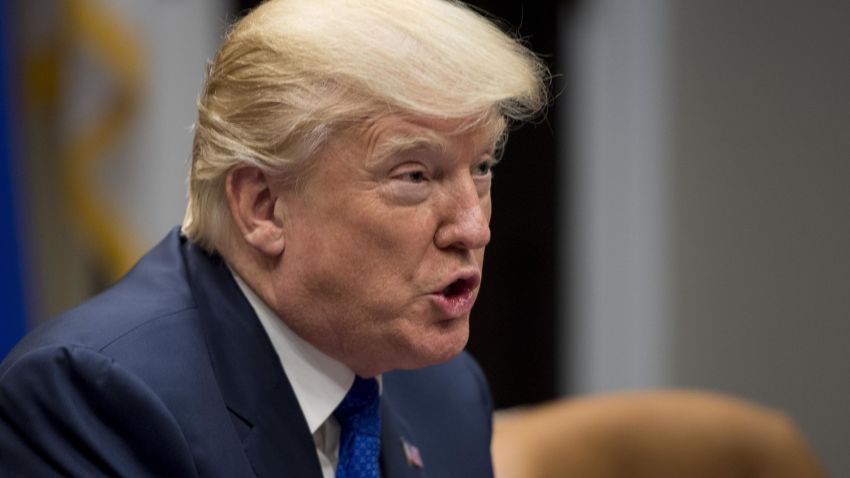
<point>294,73</point>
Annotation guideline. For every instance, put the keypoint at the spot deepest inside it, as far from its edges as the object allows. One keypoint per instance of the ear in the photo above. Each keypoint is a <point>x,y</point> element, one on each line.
<point>255,209</point>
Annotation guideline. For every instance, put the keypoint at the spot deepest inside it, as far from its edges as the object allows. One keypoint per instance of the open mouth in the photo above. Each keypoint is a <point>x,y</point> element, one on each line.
<point>459,287</point>
<point>457,298</point>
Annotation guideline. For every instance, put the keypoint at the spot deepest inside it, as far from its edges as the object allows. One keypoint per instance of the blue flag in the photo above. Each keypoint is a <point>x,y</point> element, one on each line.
<point>13,314</point>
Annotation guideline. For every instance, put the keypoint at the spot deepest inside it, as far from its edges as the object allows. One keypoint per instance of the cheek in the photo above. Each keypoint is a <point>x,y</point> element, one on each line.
<point>397,240</point>
<point>366,264</point>
<point>363,253</point>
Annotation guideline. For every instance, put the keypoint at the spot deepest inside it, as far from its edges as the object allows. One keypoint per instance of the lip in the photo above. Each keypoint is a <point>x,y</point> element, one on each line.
<point>459,302</point>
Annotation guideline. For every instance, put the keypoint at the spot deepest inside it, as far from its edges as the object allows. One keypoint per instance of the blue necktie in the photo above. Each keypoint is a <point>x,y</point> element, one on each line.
<point>360,431</point>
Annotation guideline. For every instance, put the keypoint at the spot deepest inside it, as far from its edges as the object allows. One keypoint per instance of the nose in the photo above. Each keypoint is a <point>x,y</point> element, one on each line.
<point>467,223</point>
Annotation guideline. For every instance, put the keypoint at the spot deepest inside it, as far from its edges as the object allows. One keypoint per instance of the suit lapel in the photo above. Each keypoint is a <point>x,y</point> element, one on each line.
<point>394,432</point>
<point>274,432</point>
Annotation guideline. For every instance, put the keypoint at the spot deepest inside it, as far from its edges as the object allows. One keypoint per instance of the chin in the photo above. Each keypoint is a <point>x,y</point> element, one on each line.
<point>436,348</point>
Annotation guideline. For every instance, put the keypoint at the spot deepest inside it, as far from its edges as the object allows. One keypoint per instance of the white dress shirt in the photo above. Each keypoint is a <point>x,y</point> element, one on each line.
<point>319,382</point>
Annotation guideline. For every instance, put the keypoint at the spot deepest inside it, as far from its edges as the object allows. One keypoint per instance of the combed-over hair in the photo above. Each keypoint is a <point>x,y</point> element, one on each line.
<point>292,73</point>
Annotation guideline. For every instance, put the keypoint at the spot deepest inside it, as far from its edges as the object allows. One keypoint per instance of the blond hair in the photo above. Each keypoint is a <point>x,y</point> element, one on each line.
<point>293,73</point>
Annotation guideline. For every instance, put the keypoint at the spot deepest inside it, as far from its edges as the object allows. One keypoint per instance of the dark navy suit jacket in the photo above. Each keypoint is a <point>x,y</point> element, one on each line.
<point>170,373</point>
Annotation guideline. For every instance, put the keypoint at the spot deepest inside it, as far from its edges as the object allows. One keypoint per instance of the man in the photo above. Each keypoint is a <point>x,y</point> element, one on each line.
<point>309,317</point>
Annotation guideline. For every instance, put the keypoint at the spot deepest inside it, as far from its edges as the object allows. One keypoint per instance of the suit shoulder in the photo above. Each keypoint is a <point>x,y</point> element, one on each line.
<point>460,376</point>
<point>156,288</point>
<point>63,410</point>
<point>457,387</point>
<point>447,411</point>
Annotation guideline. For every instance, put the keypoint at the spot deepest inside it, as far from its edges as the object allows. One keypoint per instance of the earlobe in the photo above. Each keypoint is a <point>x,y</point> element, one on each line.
<point>256,211</point>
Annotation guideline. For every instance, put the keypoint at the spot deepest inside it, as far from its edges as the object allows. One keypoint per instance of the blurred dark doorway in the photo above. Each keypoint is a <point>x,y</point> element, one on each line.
<point>515,331</point>
<point>515,327</point>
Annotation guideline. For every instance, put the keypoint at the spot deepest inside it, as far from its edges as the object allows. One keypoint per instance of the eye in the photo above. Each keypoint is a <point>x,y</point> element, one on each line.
<point>483,168</point>
<point>413,176</point>
<point>410,184</point>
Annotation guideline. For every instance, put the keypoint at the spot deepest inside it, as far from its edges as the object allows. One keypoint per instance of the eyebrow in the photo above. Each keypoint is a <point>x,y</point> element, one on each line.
<point>402,143</point>
<point>405,142</point>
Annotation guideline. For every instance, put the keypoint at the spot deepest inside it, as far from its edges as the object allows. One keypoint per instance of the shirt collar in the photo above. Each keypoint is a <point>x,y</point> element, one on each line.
<point>319,381</point>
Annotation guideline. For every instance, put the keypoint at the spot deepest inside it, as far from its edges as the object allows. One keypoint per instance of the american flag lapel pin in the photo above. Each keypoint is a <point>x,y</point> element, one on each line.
<point>411,453</point>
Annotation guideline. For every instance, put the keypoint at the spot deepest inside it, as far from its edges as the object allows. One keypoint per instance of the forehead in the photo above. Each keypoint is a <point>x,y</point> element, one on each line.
<point>386,136</point>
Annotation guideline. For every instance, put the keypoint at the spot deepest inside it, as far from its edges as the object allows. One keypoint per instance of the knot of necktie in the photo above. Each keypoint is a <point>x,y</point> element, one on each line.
<point>360,430</point>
